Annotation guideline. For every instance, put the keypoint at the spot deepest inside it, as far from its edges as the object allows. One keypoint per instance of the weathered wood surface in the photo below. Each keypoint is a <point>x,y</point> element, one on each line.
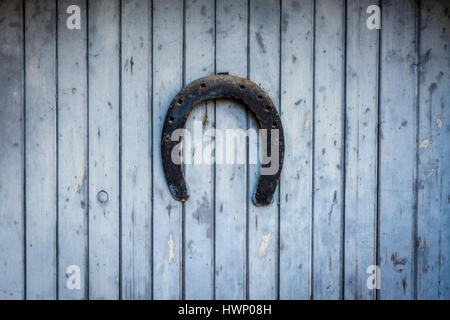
<point>328,154</point>
<point>167,213</point>
<point>433,203</point>
<point>366,175</point>
<point>296,114</point>
<point>136,160</point>
<point>231,180</point>
<point>40,150</point>
<point>11,151</point>
<point>360,151</point>
<point>398,148</point>
<point>104,116</point>
<point>263,222</point>
<point>72,152</point>
<point>199,210</point>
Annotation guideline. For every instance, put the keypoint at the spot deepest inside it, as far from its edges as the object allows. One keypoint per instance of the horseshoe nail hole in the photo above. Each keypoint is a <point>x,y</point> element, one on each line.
<point>167,138</point>
<point>268,108</point>
<point>274,124</point>
<point>102,196</point>
<point>202,85</point>
<point>180,102</point>
<point>171,120</point>
<point>242,86</point>
<point>259,97</point>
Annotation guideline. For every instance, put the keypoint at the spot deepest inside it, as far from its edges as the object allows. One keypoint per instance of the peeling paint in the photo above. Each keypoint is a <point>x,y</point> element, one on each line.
<point>431,172</point>
<point>264,244</point>
<point>425,143</point>
<point>439,123</point>
<point>170,243</point>
<point>307,122</point>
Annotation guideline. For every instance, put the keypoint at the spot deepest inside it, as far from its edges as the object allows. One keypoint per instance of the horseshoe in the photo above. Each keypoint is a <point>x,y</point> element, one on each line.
<point>221,86</point>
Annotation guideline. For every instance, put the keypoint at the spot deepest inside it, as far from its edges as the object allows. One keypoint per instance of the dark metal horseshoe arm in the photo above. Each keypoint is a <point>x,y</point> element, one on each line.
<point>222,86</point>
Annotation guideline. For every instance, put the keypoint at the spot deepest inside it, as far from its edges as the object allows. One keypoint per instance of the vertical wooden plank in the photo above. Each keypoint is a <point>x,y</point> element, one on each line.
<point>296,114</point>
<point>104,149</point>
<point>40,62</point>
<point>167,81</point>
<point>433,237</point>
<point>136,150</point>
<point>398,116</point>
<point>360,150</point>
<point>263,221</point>
<point>199,209</point>
<point>231,180</point>
<point>11,150</point>
<point>72,147</point>
<point>328,155</point>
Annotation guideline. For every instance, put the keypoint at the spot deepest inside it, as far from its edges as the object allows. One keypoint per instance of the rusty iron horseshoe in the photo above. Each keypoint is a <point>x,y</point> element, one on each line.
<point>221,86</point>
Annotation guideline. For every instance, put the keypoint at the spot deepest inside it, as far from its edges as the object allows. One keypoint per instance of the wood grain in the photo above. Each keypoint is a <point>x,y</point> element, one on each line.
<point>72,151</point>
<point>433,235</point>
<point>104,210</point>
<point>328,149</point>
<point>11,150</point>
<point>398,148</point>
<point>231,179</point>
<point>40,150</point>
<point>365,179</point>
<point>296,113</point>
<point>264,38</point>
<point>360,151</point>
<point>199,209</point>
<point>167,214</point>
<point>136,260</point>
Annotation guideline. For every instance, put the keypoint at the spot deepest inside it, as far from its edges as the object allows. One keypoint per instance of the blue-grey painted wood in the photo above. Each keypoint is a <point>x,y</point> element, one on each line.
<point>328,149</point>
<point>264,38</point>
<point>296,112</point>
<point>433,233</point>
<point>167,213</point>
<point>40,150</point>
<point>136,282</point>
<point>11,151</point>
<point>61,143</point>
<point>72,151</point>
<point>231,179</point>
<point>360,150</point>
<point>199,209</point>
<point>398,147</point>
<point>104,16</point>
